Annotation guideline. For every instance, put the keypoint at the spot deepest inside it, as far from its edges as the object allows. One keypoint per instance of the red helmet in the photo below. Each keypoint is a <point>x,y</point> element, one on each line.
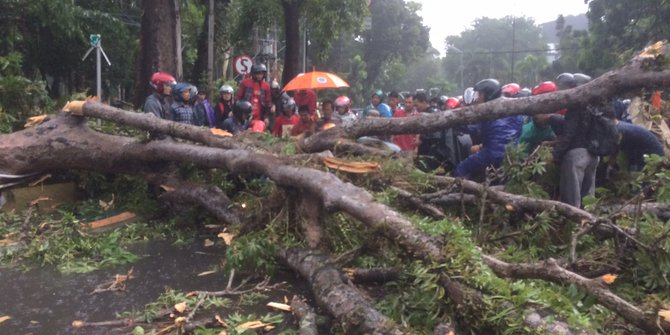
<point>258,126</point>
<point>343,101</point>
<point>159,79</point>
<point>510,90</point>
<point>545,87</point>
<point>453,103</point>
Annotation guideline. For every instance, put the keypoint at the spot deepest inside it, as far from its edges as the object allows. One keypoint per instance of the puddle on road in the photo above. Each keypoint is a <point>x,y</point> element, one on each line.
<point>44,301</point>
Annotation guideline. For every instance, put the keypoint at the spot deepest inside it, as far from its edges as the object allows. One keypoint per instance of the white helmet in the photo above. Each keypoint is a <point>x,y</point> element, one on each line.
<point>226,89</point>
<point>469,96</point>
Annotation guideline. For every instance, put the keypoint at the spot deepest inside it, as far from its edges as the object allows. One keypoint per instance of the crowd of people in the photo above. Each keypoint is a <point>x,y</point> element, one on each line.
<point>578,136</point>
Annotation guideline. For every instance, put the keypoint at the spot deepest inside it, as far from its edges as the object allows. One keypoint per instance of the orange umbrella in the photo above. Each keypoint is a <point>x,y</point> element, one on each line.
<point>315,80</point>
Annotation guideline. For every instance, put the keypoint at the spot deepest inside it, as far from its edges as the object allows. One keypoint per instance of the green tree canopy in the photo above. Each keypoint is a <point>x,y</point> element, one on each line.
<point>491,48</point>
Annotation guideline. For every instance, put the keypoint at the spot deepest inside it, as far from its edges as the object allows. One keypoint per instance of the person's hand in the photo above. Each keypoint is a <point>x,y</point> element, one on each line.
<point>475,148</point>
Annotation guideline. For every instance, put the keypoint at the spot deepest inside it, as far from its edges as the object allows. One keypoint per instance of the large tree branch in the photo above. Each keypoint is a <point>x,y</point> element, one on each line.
<point>339,299</point>
<point>636,74</point>
<point>549,270</point>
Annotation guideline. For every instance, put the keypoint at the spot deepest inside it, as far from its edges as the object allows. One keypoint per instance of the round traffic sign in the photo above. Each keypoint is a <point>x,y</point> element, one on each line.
<point>242,64</point>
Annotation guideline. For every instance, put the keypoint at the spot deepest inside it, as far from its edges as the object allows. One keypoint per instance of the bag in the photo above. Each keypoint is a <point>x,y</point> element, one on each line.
<point>603,136</point>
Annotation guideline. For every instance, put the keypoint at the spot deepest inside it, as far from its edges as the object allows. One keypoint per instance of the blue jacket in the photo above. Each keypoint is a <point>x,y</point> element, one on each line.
<point>496,134</point>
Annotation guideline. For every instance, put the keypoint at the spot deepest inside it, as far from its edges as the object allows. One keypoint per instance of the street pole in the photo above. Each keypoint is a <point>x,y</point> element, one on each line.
<point>460,52</point>
<point>94,40</point>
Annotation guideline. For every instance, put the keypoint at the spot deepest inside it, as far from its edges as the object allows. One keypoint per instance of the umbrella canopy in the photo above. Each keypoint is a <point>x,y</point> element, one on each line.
<point>315,80</point>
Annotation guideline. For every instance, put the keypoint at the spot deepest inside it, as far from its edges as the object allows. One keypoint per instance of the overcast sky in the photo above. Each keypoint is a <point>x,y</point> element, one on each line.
<point>452,17</point>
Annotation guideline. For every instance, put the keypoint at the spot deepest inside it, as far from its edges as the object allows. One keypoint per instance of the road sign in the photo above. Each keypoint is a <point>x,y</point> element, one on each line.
<point>243,64</point>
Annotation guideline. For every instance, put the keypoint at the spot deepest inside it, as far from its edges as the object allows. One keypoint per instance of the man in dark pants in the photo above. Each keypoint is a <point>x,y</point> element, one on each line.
<point>578,165</point>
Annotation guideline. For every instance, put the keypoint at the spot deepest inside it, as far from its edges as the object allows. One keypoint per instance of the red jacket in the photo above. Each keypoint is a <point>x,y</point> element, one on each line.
<point>281,121</point>
<point>406,141</point>
<point>258,94</point>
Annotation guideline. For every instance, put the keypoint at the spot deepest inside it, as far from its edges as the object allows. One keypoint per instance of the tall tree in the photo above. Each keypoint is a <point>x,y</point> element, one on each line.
<point>570,48</point>
<point>292,32</point>
<point>159,43</point>
<point>397,32</point>
<point>618,27</point>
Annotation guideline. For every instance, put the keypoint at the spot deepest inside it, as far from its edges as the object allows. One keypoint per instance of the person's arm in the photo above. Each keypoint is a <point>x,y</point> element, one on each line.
<point>570,128</point>
<point>154,107</point>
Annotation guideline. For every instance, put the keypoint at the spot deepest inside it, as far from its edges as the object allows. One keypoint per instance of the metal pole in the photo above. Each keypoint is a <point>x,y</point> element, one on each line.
<point>98,69</point>
<point>511,80</point>
<point>462,86</point>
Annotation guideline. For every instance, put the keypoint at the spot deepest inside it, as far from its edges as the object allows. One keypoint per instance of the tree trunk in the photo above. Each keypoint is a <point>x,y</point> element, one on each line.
<point>157,45</point>
<point>292,32</point>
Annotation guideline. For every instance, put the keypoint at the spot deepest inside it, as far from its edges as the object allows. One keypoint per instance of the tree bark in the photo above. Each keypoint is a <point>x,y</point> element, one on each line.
<point>340,300</point>
<point>157,45</point>
<point>292,32</point>
<point>549,270</point>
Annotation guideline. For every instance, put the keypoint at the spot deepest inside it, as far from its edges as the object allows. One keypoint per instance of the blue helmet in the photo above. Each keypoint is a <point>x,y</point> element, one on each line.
<point>179,88</point>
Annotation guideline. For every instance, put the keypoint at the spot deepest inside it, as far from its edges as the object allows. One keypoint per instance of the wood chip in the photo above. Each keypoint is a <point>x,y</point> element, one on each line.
<point>352,167</point>
<point>280,306</point>
<point>180,307</point>
<point>206,273</point>
<point>208,243</point>
<point>251,325</point>
<point>4,318</point>
<point>227,237</point>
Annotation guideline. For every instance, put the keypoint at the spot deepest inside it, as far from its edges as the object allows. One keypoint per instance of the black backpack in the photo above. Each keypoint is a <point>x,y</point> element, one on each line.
<point>603,136</point>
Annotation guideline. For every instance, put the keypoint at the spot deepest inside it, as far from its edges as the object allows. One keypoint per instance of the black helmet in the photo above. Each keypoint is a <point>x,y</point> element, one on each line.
<point>288,104</point>
<point>242,107</point>
<point>258,68</point>
<point>581,79</point>
<point>565,80</point>
<point>489,88</point>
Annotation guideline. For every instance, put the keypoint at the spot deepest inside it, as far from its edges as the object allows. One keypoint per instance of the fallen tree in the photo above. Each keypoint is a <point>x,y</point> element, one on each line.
<point>65,142</point>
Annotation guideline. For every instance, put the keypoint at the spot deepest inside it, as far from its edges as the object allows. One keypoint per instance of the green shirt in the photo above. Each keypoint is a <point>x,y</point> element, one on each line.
<point>534,135</point>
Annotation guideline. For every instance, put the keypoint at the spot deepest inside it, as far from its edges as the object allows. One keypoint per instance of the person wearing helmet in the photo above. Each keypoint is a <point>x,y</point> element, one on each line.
<point>239,122</point>
<point>158,103</point>
<point>287,120</point>
<point>539,130</point>
<point>453,102</point>
<point>494,135</point>
<point>256,91</point>
<point>378,104</point>
<point>510,90</point>
<point>181,109</point>
<point>524,93</point>
<point>577,165</point>
<point>343,115</point>
<point>224,109</point>
<point>566,81</point>
<point>442,104</point>
<point>203,110</point>
<point>469,96</point>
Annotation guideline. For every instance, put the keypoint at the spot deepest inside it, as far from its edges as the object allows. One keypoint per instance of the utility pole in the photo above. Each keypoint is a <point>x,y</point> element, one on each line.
<point>94,40</point>
<point>511,79</point>
<point>460,52</point>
